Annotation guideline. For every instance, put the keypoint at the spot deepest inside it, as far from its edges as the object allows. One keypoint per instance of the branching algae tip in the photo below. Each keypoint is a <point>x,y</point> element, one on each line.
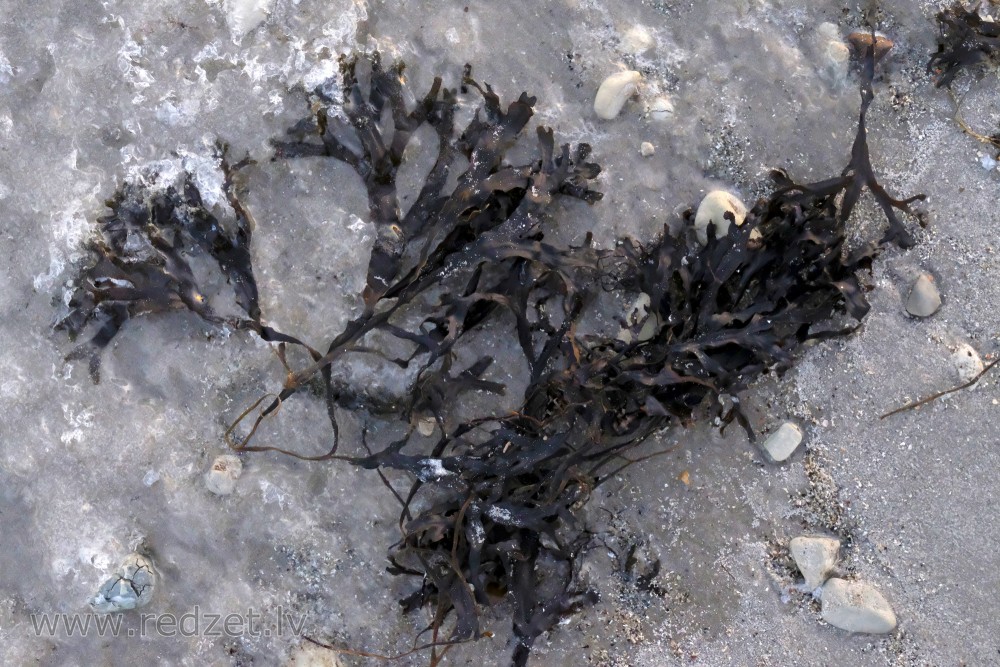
<point>491,512</point>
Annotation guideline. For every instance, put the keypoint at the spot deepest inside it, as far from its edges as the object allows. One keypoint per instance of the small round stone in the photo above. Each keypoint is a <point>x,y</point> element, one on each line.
<point>660,109</point>
<point>924,299</point>
<point>862,42</point>
<point>614,91</point>
<point>646,149</point>
<point>856,607</point>
<point>637,39</point>
<point>221,477</point>
<point>713,208</point>
<point>815,556</point>
<point>426,426</point>
<point>783,442</point>
<point>967,362</point>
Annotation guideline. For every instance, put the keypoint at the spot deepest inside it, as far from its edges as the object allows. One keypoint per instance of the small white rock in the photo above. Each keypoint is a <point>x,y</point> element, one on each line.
<point>815,556</point>
<point>780,444</point>
<point>637,40</point>
<point>646,149</point>
<point>426,426</point>
<point>924,299</point>
<point>856,607</point>
<point>130,588</point>
<point>660,109</point>
<point>967,362</point>
<point>713,208</point>
<point>988,163</point>
<point>221,477</point>
<point>614,92</point>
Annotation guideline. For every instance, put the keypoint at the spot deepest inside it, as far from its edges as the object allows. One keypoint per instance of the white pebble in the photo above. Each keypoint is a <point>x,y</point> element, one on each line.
<point>660,109</point>
<point>856,607</point>
<point>989,164</point>
<point>815,556</point>
<point>924,299</point>
<point>131,587</point>
<point>780,444</point>
<point>646,149</point>
<point>713,208</point>
<point>614,92</point>
<point>426,426</point>
<point>967,362</point>
<point>221,477</point>
<point>637,40</point>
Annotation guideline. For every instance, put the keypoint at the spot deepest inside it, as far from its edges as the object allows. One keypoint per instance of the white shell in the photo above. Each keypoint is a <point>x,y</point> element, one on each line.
<point>614,92</point>
<point>967,362</point>
<point>713,209</point>
<point>660,109</point>
<point>221,477</point>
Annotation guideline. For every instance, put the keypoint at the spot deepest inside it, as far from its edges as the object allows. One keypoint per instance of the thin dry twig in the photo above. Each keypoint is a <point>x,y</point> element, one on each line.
<point>934,397</point>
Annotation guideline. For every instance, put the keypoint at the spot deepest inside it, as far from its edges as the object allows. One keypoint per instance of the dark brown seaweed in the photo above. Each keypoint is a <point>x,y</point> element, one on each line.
<point>966,40</point>
<point>492,508</point>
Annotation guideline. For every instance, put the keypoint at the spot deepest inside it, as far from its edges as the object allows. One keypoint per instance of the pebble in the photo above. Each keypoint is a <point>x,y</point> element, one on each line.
<point>221,477</point>
<point>862,40</point>
<point>856,607</point>
<point>967,362</point>
<point>646,149</point>
<point>780,444</point>
<point>988,163</point>
<point>639,312</point>
<point>924,299</point>
<point>660,109</point>
<point>131,588</point>
<point>637,40</point>
<point>815,556</point>
<point>713,209</point>
<point>426,426</point>
<point>614,92</point>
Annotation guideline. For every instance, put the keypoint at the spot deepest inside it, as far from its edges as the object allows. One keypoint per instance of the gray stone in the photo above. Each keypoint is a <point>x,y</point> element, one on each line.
<point>856,607</point>
<point>131,588</point>
<point>815,556</point>
<point>780,444</point>
<point>221,477</point>
<point>924,299</point>
<point>614,92</point>
<point>646,149</point>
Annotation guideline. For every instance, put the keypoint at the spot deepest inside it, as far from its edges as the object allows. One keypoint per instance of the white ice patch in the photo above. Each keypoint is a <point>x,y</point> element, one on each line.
<point>6,71</point>
<point>313,62</point>
<point>132,64</point>
<point>499,514</point>
<point>69,229</point>
<point>245,15</point>
<point>431,469</point>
